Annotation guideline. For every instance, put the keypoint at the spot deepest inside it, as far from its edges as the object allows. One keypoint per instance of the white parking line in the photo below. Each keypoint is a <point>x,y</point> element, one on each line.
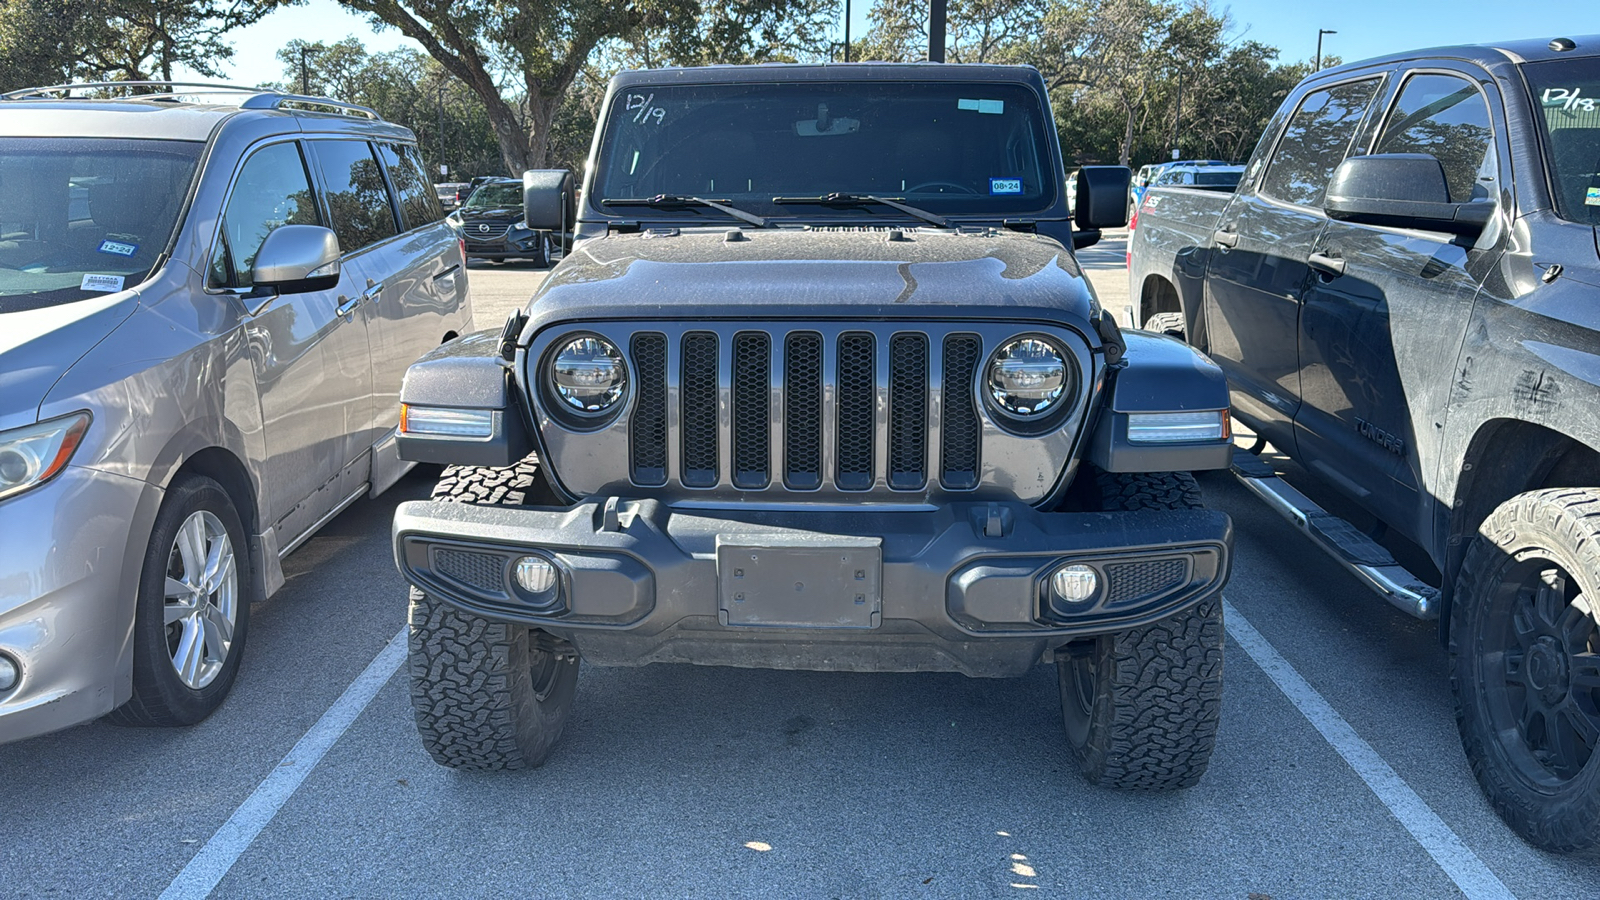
<point>208,867</point>
<point>1453,856</point>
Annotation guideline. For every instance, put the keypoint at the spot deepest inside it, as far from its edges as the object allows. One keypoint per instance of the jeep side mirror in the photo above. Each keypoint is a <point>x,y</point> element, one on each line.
<point>549,202</point>
<point>1102,197</point>
<point>1400,190</point>
<point>296,259</point>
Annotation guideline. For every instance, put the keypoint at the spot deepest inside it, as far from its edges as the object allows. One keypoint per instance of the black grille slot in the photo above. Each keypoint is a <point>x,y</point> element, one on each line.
<point>1137,580</point>
<point>856,405</point>
<point>908,411</point>
<point>802,410</point>
<point>698,375</point>
<point>752,405</point>
<point>960,429</point>
<point>485,572</point>
<point>648,427</point>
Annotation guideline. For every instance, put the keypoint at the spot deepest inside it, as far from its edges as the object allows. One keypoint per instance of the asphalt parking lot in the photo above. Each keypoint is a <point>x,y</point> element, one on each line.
<point>1338,772</point>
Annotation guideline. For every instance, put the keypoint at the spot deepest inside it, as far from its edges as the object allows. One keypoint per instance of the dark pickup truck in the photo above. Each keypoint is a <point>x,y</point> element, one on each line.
<point>1404,293</point>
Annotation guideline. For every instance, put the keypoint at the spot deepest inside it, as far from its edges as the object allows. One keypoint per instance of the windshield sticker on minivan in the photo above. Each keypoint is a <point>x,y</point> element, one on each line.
<point>1005,185</point>
<point>107,283</point>
<point>1591,197</point>
<point>118,248</point>
<point>991,107</point>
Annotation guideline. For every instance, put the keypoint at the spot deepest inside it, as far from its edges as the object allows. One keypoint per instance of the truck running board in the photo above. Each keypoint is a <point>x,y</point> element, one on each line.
<point>1363,556</point>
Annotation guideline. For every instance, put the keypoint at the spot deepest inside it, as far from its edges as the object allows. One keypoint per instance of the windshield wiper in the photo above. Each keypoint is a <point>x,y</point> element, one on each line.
<point>720,206</point>
<point>840,199</point>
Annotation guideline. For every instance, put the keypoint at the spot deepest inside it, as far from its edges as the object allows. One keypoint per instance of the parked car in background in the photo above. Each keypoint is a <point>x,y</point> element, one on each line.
<point>1403,293</point>
<point>207,304</point>
<point>1200,175</point>
<point>452,193</point>
<point>1147,176</point>
<point>490,222</point>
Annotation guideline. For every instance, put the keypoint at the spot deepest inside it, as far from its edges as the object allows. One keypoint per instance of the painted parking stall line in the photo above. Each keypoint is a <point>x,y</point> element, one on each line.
<point>208,867</point>
<point>1457,860</point>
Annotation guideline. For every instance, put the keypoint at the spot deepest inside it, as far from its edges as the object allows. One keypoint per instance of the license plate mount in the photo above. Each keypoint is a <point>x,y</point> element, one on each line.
<point>800,581</point>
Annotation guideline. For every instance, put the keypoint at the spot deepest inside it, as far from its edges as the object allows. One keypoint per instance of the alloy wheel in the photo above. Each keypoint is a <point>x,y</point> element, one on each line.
<point>202,599</point>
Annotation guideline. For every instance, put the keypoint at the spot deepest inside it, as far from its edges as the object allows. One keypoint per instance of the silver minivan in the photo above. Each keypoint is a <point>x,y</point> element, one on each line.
<point>208,300</point>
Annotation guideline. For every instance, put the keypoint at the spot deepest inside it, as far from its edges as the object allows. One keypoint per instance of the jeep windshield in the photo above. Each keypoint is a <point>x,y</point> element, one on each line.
<point>82,217</point>
<point>947,149</point>
<point>1568,94</point>
<point>495,196</point>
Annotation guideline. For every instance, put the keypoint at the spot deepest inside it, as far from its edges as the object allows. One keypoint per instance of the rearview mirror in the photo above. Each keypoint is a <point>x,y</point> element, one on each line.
<point>1102,197</point>
<point>295,259</point>
<point>548,200</point>
<point>1401,190</point>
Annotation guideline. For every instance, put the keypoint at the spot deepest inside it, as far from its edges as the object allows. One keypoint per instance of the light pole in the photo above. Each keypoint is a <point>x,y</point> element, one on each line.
<point>937,10</point>
<point>1317,67</point>
<point>846,30</point>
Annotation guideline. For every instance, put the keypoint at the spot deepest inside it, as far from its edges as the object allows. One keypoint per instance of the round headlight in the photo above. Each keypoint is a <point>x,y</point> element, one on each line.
<point>589,375</point>
<point>1027,377</point>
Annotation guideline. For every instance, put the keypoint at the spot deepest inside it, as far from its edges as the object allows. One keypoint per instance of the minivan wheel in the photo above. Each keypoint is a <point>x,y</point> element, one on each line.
<point>193,608</point>
<point>487,694</point>
<point>1525,665</point>
<point>1141,707</point>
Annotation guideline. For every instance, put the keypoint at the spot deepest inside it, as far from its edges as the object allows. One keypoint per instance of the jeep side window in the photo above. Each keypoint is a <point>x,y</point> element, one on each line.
<point>418,201</point>
<point>358,196</point>
<point>272,190</point>
<point>1315,142</point>
<point>1446,118</point>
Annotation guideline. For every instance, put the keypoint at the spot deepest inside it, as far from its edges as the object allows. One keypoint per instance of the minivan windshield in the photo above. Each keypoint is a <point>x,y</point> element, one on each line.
<point>1567,92</point>
<point>495,196</point>
<point>82,217</point>
<point>769,149</point>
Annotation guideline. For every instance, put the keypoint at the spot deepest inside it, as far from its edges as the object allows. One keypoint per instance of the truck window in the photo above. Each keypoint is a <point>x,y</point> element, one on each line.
<point>1446,118</point>
<point>1315,142</point>
<point>1567,95</point>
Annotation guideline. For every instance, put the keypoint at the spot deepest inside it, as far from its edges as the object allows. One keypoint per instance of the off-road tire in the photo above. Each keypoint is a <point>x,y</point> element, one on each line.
<point>1553,807</point>
<point>160,698</point>
<point>1141,707</point>
<point>1168,323</point>
<point>486,694</point>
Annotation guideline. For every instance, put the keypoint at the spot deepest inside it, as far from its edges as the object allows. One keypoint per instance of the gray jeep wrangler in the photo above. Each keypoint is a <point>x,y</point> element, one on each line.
<point>820,385</point>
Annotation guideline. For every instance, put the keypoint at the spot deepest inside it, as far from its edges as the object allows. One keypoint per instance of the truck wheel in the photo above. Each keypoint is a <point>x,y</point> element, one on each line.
<point>1141,706</point>
<point>1525,665</point>
<point>1167,323</point>
<point>487,694</point>
<point>192,609</point>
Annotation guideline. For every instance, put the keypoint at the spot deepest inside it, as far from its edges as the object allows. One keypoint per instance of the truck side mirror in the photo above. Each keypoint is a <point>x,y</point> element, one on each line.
<point>1400,190</point>
<point>549,202</point>
<point>1102,197</point>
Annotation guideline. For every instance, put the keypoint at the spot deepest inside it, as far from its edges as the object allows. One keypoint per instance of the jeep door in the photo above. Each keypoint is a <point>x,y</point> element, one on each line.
<point>1258,271</point>
<point>1386,311</point>
<point>308,350</point>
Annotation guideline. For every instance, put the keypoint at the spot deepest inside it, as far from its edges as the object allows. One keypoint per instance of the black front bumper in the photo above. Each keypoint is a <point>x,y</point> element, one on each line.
<point>959,588</point>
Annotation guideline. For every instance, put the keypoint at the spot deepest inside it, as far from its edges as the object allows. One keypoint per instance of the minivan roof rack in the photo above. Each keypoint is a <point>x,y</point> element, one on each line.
<point>259,98</point>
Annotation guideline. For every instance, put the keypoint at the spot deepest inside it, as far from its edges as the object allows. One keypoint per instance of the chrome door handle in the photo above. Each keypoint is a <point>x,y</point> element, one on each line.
<point>1331,266</point>
<point>347,305</point>
<point>1225,238</point>
<point>372,293</point>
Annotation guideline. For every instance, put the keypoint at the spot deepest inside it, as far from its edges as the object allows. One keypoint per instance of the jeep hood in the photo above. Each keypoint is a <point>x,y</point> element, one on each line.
<point>38,346</point>
<point>833,273</point>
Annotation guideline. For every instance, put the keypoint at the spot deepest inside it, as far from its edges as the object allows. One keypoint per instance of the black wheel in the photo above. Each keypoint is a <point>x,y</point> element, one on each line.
<point>1141,707</point>
<point>1167,323</point>
<point>487,694</point>
<point>1525,665</point>
<point>541,258</point>
<point>193,607</point>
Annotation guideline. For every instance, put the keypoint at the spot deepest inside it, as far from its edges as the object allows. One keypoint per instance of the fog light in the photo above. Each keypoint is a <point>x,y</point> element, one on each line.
<point>1074,584</point>
<point>8,673</point>
<point>535,574</point>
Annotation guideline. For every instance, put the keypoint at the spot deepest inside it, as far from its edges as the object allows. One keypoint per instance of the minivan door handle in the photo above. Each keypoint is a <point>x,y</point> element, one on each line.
<point>1332,266</point>
<point>1225,237</point>
<point>347,305</point>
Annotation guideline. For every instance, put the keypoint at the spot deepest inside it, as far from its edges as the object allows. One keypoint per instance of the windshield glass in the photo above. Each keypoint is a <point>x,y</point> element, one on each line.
<point>495,196</point>
<point>81,217</point>
<point>1568,93</point>
<point>947,148</point>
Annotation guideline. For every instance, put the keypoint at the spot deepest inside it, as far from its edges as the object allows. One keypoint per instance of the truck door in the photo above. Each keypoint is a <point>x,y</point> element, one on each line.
<point>1258,269</point>
<point>1386,311</point>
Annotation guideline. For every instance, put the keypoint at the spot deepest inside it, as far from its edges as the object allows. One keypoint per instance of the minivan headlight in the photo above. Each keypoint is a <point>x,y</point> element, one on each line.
<point>589,375</point>
<point>1027,377</point>
<point>32,455</point>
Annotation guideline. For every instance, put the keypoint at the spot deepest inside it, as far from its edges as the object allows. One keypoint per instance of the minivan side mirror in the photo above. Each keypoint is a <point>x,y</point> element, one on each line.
<point>549,202</point>
<point>295,259</point>
<point>1102,197</point>
<point>1400,190</point>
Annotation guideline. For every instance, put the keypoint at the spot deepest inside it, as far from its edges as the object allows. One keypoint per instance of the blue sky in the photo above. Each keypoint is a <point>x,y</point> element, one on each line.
<point>1366,27</point>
